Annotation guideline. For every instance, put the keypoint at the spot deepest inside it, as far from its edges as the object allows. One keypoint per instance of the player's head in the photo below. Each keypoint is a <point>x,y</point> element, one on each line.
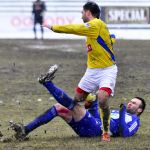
<point>136,106</point>
<point>90,9</point>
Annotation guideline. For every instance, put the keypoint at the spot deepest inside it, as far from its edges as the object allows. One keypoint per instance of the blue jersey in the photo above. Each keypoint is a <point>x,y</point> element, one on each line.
<point>121,123</point>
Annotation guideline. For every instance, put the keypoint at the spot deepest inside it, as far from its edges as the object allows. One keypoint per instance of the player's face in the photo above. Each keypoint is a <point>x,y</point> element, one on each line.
<point>133,106</point>
<point>85,16</point>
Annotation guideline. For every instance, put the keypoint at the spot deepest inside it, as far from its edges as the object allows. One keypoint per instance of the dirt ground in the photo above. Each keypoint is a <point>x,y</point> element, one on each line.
<point>22,97</point>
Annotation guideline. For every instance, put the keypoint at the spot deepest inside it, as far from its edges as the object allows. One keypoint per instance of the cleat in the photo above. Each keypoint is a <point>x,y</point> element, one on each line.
<point>49,76</point>
<point>19,129</point>
<point>105,137</point>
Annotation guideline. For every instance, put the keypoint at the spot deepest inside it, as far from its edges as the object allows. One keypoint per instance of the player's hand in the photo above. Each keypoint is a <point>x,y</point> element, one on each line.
<point>122,105</point>
<point>47,26</point>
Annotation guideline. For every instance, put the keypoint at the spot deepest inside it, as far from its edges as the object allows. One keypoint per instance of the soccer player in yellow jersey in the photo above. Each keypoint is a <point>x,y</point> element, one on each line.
<point>101,70</point>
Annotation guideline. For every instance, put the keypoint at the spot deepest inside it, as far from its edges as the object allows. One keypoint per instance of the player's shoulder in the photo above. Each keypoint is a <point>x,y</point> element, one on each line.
<point>97,22</point>
<point>94,22</point>
<point>133,117</point>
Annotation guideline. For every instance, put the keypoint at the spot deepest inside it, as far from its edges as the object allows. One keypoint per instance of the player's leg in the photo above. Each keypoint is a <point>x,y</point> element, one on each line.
<point>92,105</point>
<point>34,28</point>
<point>85,124</point>
<point>42,30</point>
<point>88,85</point>
<point>107,85</point>
<point>84,87</point>
<point>80,94</point>
<point>21,131</point>
<point>47,116</point>
<point>60,96</point>
<point>42,119</point>
<point>64,112</point>
<point>76,114</point>
<point>103,96</point>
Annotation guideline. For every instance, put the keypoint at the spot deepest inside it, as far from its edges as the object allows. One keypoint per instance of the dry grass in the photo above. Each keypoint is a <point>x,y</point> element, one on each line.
<point>22,61</point>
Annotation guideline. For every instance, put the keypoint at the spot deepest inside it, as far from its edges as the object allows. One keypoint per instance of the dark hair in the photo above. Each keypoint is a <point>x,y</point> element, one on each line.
<point>143,104</point>
<point>93,8</point>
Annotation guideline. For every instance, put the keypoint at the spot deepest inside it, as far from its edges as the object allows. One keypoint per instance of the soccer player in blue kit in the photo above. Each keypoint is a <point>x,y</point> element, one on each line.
<point>124,122</point>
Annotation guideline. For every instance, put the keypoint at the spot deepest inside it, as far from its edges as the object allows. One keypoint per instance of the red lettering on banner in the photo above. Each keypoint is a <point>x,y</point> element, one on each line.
<point>70,20</point>
<point>49,21</point>
<point>16,21</point>
<point>60,20</point>
<point>26,21</point>
<point>21,22</point>
<point>89,47</point>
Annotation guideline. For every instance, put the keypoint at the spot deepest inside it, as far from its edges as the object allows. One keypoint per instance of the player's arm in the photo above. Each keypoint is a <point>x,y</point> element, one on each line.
<point>77,29</point>
<point>33,8</point>
<point>126,129</point>
<point>44,6</point>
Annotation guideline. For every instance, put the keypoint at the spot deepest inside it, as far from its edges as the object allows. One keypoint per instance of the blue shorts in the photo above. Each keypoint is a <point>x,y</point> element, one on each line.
<point>88,126</point>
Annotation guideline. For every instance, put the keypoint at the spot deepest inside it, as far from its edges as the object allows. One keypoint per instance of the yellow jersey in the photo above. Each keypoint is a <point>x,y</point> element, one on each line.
<point>99,44</point>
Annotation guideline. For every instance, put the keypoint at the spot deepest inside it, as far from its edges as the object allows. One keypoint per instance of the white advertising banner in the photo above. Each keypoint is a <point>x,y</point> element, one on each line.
<point>128,15</point>
<point>20,25</point>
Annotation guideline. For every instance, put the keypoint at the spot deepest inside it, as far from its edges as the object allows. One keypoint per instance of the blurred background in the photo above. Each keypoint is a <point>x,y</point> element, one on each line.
<point>127,19</point>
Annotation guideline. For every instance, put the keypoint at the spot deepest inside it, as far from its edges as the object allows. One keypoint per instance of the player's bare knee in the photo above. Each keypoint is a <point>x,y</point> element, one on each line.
<point>61,110</point>
<point>58,106</point>
<point>103,97</point>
